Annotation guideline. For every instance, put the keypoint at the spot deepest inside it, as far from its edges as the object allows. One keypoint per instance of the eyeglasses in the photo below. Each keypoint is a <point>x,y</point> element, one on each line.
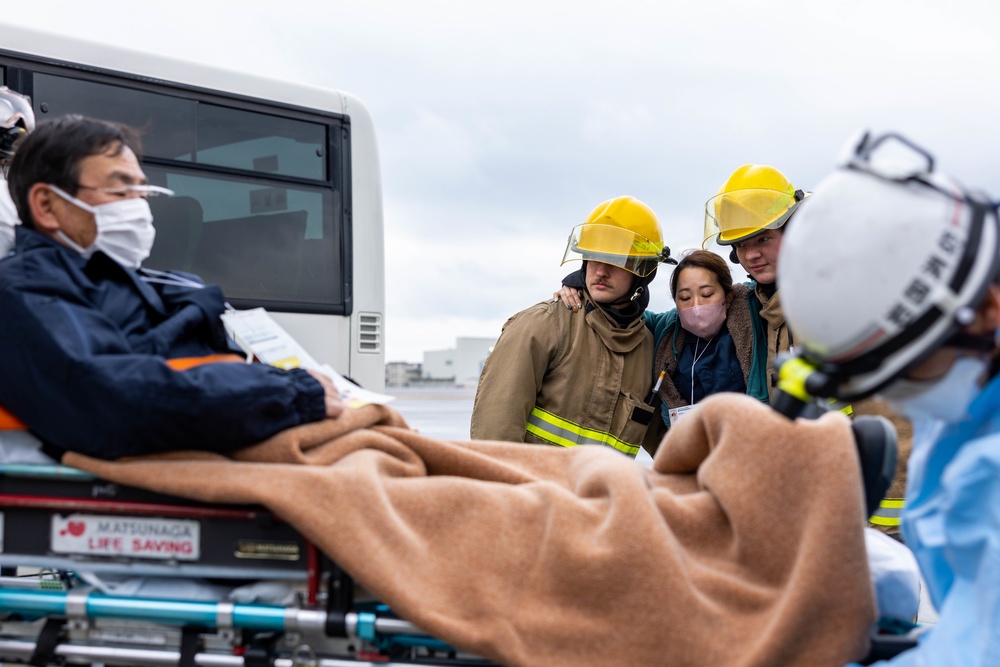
<point>144,190</point>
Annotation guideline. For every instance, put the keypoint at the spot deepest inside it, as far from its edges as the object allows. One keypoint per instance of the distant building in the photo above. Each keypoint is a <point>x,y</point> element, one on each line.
<point>461,365</point>
<point>402,374</point>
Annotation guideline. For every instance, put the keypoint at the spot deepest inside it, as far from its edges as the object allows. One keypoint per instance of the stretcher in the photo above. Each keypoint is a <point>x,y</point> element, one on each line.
<point>68,540</point>
<point>66,535</point>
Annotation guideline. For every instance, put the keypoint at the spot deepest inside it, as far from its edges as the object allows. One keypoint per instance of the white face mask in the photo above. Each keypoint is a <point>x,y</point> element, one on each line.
<point>947,398</point>
<point>125,230</point>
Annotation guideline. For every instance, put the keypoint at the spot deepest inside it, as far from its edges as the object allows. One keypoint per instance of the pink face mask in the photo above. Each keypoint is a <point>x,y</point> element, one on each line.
<point>704,321</point>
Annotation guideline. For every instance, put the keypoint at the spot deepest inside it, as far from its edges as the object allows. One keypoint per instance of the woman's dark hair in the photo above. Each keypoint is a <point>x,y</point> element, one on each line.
<point>705,260</point>
<point>53,151</point>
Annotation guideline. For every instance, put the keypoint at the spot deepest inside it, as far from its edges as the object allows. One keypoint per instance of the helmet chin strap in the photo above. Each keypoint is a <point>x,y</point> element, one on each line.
<point>962,340</point>
<point>638,292</point>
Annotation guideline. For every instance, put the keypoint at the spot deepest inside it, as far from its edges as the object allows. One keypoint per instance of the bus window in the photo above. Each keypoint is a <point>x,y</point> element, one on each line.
<point>215,227</point>
<point>182,129</point>
<point>166,122</point>
<point>262,143</point>
<point>258,207</point>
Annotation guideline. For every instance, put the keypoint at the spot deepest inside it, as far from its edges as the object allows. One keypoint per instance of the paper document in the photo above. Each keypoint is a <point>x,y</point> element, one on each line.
<point>259,336</point>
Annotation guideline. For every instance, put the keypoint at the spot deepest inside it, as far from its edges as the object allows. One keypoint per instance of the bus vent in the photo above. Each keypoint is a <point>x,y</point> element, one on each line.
<point>369,333</point>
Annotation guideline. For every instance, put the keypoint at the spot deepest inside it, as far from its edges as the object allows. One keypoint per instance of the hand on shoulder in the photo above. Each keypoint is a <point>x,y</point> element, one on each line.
<point>570,297</point>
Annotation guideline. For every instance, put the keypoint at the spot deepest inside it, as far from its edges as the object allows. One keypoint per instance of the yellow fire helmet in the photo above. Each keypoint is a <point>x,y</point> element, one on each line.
<point>755,198</point>
<point>622,231</point>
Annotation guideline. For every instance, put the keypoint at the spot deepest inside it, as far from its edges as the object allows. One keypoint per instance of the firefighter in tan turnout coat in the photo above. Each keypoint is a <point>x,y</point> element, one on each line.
<point>557,378</point>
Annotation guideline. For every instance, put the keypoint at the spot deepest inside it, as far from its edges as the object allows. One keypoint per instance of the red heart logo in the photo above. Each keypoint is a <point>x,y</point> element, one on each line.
<point>76,528</point>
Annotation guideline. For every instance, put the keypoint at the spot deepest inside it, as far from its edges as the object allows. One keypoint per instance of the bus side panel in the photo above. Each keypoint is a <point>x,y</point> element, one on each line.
<point>368,316</point>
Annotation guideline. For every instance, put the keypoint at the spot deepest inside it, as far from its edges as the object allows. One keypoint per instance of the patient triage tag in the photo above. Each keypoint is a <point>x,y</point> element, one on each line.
<point>258,335</point>
<point>677,413</point>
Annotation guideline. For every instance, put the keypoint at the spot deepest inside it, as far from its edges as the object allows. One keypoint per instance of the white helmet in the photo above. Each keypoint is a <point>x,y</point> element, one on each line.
<point>16,118</point>
<point>888,260</point>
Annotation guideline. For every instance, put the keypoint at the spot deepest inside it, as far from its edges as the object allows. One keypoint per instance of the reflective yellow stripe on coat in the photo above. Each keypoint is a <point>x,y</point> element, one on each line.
<point>558,431</point>
<point>888,512</point>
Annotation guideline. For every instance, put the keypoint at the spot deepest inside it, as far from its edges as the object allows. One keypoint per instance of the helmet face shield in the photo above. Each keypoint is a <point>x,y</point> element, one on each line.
<point>15,110</point>
<point>734,216</point>
<point>614,245</point>
<point>16,120</point>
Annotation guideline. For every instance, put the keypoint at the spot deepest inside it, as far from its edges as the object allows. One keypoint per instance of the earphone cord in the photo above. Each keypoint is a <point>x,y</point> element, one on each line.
<point>695,361</point>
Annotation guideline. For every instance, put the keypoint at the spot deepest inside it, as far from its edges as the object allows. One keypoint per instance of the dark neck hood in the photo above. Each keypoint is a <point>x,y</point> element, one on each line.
<point>622,313</point>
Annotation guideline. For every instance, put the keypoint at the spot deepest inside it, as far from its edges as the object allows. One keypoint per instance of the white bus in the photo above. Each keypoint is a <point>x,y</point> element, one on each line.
<point>278,192</point>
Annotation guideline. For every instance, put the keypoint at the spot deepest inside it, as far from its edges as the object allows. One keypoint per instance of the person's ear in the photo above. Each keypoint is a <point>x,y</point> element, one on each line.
<point>42,203</point>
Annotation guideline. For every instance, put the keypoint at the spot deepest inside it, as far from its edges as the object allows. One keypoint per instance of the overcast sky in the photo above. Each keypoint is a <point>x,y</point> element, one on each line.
<point>501,125</point>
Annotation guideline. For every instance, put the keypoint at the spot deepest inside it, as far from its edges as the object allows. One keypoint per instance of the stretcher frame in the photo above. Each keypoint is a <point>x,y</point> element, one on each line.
<point>52,617</point>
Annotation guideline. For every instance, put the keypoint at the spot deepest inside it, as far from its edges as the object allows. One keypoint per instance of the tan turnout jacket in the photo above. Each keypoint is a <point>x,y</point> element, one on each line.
<point>564,378</point>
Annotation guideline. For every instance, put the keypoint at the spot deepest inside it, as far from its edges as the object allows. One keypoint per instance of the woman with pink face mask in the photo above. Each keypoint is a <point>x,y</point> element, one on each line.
<point>713,341</point>
<point>709,343</point>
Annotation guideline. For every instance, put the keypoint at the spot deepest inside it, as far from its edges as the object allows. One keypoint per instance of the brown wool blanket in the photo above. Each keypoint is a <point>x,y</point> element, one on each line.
<point>742,547</point>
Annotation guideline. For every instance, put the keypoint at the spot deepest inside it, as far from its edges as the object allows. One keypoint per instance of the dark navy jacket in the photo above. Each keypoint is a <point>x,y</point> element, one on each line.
<point>82,350</point>
<point>718,367</point>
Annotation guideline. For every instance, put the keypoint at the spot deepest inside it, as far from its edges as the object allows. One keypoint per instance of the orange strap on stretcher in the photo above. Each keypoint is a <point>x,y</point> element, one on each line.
<point>9,422</point>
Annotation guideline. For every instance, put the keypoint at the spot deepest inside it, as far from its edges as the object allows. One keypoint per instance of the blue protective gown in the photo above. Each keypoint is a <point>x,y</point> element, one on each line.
<point>952,523</point>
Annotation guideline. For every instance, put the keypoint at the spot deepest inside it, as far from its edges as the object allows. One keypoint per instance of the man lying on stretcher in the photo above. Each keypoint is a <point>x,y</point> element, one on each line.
<point>90,342</point>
